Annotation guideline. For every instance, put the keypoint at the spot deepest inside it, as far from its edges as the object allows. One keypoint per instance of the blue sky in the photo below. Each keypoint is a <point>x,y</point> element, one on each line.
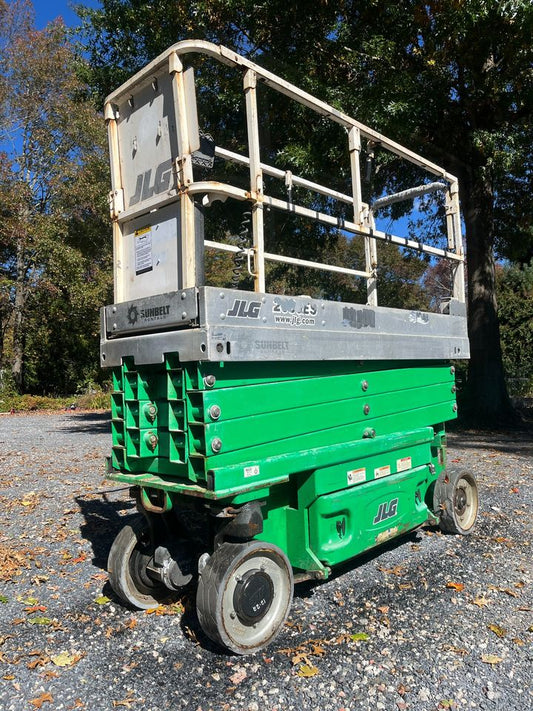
<point>48,10</point>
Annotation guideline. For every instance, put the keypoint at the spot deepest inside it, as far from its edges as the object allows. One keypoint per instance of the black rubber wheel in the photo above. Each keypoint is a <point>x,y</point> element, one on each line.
<point>456,502</point>
<point>130,553</point>
<point>244,595</point>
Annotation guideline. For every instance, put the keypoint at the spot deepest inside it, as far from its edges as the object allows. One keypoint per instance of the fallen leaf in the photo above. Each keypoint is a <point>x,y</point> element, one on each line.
<point>40,659</point>
<point>3,598</point>
<point>359,637</point>
<point>27,600</point>
<point>398,570</point>
<point>155,610</point>
<point>456,650</point>
<point>307,670</point>
<point>299,658</point>
<point>240,675</point>
<point>128,701</point>
<point>499,631</point>
<point>456,586</point>
<point>317,650</point>
<point>491,659</point>
<point>65,659</point>
<point>45,697</point>
<point>39,621</point>
<point>80,559</point>
<point>481,601</point>
<point>12,561</point>
<point>102,600</point>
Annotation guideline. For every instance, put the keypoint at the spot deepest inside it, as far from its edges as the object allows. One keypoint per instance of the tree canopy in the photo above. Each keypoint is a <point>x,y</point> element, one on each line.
<point>450,79</point>
<point>55,257</point>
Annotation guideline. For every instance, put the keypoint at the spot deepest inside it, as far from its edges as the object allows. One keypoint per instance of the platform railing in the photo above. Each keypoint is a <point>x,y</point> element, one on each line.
<point>361,225</point>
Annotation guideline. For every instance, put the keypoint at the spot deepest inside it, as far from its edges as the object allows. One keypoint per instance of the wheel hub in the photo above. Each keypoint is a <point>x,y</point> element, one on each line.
<point>253,596</point>
<point>138,569</point>
<point>460,502</point>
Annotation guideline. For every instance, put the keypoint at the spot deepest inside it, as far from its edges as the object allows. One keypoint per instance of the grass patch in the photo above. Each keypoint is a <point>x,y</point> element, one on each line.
<point>91,399</point>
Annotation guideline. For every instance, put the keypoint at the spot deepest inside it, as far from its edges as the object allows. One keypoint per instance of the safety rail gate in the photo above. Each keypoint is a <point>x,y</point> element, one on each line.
<point>162,304</point>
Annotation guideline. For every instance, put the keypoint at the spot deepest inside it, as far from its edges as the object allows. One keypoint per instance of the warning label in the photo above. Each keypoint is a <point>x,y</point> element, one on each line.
<point>381,471</point>
<point>356,476</point>
<point>403,464</point>
<point>143,250</point>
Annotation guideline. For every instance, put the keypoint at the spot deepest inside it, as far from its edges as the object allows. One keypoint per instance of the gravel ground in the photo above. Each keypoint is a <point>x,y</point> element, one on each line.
<point>429,622</point>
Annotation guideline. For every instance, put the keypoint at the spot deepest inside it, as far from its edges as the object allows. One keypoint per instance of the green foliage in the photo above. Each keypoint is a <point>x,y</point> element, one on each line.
<point>515,307</point>
<point>450,79</point>
<point>91,396</point>
<point>55,246</point>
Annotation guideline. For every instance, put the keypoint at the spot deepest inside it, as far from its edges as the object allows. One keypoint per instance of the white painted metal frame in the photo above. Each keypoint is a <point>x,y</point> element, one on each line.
<point>363,218</point>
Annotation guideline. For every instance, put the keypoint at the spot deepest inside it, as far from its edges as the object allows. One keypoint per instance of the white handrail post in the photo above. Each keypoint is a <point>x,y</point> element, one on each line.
<point>256,179</point>
<point>371,256</point>
<point>116,200</point>
<point>184,171</point>
<point>455,240</point>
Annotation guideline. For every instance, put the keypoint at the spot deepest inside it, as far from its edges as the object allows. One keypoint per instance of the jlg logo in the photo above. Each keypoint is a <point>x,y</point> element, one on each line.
<point>386,510</point>
<point>143,189</point>
<point>245,309</point>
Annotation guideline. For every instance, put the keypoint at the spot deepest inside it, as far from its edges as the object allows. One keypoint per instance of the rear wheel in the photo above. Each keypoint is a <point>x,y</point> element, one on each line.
<point>456,502</point>
<point>244,595</point>
<point>129,556</point>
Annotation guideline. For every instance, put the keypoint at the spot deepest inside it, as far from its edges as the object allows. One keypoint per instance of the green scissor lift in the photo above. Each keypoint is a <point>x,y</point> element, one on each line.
<point>266,438</point>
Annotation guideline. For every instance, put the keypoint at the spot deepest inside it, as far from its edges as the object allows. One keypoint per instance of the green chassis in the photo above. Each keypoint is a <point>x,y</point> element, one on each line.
<point>338,456</point>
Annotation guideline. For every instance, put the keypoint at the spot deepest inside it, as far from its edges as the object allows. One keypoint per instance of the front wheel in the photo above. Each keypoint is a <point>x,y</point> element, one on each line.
<point>244,595</point>
<point>456,502</point>
<point>129,556</point>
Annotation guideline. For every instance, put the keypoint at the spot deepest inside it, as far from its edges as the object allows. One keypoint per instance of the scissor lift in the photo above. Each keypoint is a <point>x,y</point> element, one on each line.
<point>266,437</point>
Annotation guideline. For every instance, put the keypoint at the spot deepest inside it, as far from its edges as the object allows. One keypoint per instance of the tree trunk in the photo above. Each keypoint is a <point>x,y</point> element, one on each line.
<point>485,401</point>
<point>17,367</point>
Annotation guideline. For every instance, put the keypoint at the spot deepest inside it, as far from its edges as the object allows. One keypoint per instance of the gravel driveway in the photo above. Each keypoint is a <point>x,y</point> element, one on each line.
<point>429,622</point>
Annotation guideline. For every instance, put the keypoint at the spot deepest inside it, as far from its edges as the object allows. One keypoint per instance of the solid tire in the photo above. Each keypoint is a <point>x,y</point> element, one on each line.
<point>244,595</point>
<point>456,502</point>
<point>126,565</point>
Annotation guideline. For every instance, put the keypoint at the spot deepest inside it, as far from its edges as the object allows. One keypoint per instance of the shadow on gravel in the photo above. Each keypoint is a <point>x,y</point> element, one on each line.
<point>305,588</point>
<point>102,523</point>
<point>90,423</point>
<point>509,442</point>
